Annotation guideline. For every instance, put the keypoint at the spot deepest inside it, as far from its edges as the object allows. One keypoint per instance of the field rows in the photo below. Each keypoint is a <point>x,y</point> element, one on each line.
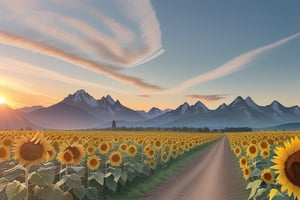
<point>85,164</point>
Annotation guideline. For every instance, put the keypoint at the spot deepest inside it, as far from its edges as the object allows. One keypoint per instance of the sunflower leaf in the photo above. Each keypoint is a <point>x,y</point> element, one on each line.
<point>13,173</point>
<point>15,190</point>
<point>117,174</point>
<point>3,183</point>
<point>254,186</point>
<point>49,192</point>
<point>111,184</point>
<point>97,176</point>
<point>91,193</point>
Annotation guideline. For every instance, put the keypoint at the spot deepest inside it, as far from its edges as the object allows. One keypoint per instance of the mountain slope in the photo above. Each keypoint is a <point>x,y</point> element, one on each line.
<point>13,120</point>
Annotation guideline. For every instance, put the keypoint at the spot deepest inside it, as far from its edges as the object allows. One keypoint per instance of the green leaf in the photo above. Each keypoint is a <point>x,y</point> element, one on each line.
<point>256,172</point>
<point>254,186</point>
<point>124,176</point>
<point>97,176</point>
<point>43,177</point>
<point>91,193</point>
<point>15,190</point>
<point>261,194</point>
<point>111,184</point>
<point>117,174</point>
<point>79,191</point>
<point>146,170</point>
<point>13,173</point>
<point>73,180</point>
<point>3,183</point>
<point>261,164</point>
<point>49,192</point>
<point>139,168</point>
<point>279,196</point>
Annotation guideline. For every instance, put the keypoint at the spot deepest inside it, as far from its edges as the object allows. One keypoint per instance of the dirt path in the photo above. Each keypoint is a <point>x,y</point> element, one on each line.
<point>214,175</point>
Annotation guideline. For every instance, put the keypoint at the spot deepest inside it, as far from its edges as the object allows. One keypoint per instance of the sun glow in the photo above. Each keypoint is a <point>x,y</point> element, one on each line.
<point>2,100</point>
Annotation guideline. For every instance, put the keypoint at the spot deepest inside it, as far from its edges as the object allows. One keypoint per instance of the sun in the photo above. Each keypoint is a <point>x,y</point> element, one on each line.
<point>2,100</point>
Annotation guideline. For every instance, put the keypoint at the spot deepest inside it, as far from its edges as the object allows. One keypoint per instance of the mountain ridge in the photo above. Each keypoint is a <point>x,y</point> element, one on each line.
<point>80,110</point>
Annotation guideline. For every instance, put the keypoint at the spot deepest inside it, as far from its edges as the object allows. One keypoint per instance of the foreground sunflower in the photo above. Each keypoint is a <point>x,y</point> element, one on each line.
<point>4,153</point>
<point>287,164</point>
<point>31,149</point>
<point>71,154</point>
<point>93,162</point>
<point>115,159</point>
<point>267,176</point>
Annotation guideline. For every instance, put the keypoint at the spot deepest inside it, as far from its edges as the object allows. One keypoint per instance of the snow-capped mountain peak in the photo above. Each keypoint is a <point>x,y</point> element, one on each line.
<point>110,100</point>
<point>82,96</point>
<point>184,107</point>
<point>199,106</point>
<point>237,100</point>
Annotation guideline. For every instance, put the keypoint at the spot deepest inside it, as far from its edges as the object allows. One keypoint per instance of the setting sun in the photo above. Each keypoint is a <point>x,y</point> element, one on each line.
<point>2,100</point>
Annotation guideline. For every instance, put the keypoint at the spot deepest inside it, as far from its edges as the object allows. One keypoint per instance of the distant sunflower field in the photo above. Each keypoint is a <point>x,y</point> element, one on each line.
<point>270,163</point>
<point>65,165</point>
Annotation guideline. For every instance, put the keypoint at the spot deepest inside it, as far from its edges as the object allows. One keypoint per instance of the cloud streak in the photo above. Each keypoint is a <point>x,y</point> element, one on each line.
<point>209,98</point>
<point>231,66</point>
<point>87,36</point>
<point>17,41</point>
<point>16,67</point>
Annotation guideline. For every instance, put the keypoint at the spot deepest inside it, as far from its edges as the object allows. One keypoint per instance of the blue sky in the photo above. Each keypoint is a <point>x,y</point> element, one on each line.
<point>150,53</point>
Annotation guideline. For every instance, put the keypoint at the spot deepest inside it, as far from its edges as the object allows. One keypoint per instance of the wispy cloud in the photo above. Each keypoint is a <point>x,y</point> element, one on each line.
<point>208,98</point>
<point>98,40</point>
<point>231,66</point>
<point>16,66</point>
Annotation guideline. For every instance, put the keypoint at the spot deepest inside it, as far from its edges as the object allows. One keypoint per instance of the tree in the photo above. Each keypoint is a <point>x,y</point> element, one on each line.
<point>113,125</point>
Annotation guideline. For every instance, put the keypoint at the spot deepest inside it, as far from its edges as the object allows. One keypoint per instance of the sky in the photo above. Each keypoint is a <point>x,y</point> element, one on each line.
<point>150,53</point>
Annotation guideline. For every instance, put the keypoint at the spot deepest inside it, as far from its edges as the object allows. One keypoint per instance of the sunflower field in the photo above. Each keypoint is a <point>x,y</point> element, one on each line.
<point>69,165</point>
<point>270,163</point>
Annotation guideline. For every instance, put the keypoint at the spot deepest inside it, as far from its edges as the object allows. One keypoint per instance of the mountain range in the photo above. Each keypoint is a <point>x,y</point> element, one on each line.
<point>82,111</point>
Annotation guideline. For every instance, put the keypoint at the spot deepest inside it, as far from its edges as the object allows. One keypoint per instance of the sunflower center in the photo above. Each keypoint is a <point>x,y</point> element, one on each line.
<point>292,168</point>
<point>2,152</point>
<point>75,152</point>
<point>93,162</point>
<point>30,151</point>
<point>267,176</point>
<point>67,156</point>
<point>252,149</point>
<point>116,158</point>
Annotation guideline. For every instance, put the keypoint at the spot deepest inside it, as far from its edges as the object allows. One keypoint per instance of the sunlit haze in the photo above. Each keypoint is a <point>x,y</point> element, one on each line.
<point>151,52</point>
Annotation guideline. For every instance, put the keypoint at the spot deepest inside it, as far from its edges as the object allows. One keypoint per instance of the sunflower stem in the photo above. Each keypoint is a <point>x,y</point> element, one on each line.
<point>27,181</point>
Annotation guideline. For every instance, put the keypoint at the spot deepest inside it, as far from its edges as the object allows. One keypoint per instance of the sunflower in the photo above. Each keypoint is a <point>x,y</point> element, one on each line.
<point>31,149</point>
<point>131,150</point>
<point>157,144</point>
<point>252,151</point>
<point>267,176</point>
<point>165,157</point>
<point>90,149</point>
<point>71,154</point>
<point>246,173</point>
<point>7,142</point>
<point>115,158</point>
<point>243,162</point>
<point>51,153</point>
<point>93,162</point>
<point>150,153</point>
<point>104,147</point>
<point>123,147</point>
<point>265,153</point>
<point>287,165</point>
<point>4,153</point>
<point>237,151</point>
<point>263,145</point>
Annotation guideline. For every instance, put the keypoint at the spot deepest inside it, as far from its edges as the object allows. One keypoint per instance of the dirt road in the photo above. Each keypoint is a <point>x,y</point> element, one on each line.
<point>214,175</point>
